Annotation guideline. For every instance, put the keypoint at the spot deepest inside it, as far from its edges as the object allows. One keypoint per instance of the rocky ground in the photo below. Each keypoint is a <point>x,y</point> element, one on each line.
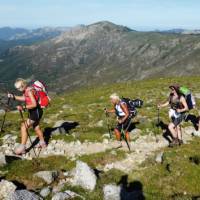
<point>142,148</point>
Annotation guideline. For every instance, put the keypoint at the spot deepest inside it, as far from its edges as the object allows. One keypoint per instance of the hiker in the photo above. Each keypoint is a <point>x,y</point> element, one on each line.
<point>178,108</point>
<point>123,117</point>
<point>34,114</point>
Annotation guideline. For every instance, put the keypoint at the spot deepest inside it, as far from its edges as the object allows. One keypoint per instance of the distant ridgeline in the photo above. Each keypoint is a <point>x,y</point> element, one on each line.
<point>102,53</point>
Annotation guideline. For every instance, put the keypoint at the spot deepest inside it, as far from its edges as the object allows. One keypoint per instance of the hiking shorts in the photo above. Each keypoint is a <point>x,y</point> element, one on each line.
<point>124,125</point>
<point>179,119</point>
<point>35,115</point>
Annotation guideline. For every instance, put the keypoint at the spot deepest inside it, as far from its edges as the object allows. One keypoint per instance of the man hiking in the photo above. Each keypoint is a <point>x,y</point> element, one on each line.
<point>123,119</point>
<point>34,114</point>
<point>178,108</point>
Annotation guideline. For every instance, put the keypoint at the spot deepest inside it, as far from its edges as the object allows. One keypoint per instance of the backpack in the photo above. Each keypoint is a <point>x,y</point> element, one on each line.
<point>132,105</point>
<point>190,100</point>
<point>41,93</point>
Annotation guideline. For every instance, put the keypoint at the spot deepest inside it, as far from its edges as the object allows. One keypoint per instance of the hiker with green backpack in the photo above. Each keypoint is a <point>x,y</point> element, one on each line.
<point>33,101</point>
<point>177,113</point>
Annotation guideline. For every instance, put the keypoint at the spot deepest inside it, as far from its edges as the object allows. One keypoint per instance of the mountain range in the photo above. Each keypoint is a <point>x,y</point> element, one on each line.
<point>102,53</point>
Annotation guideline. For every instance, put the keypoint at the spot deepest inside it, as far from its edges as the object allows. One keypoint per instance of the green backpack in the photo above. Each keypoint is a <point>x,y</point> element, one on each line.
<point>188,97</point>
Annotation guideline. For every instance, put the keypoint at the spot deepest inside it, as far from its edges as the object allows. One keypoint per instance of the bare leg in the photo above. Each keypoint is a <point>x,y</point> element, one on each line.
<point>127,136</point>
<point>117,134</point>
<point>24,133</point>
<point>39,133</point>
<point>179,132</point>
<point>173,130</point>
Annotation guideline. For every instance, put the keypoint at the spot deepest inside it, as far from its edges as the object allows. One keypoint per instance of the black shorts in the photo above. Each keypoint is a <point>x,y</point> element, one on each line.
<point>35,115</point>
<point>124,125</point>
<point>178,120</point>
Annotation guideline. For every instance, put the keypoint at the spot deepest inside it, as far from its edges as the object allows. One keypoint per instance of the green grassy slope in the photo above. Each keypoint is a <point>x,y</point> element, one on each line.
<point>177,178</point>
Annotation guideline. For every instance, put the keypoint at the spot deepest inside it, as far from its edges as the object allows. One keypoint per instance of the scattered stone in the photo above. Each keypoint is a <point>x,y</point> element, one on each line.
<point>105,141</point>
<point>47,176</point>
<point>45,192</point>
<point>61,196</point>
<point>7,188</point>
<point>159,157</point>
<point>2,160</point>
<point>84,176</point>
<point>107,135</point>
<point>2,112</point>
<point>58,123</point>
<point>112,192</point>
<point>58,188</point>
<point>24,195</point>
<point>100,123</point>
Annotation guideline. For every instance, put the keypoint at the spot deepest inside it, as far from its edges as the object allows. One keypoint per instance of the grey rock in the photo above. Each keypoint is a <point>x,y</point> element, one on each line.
<point>159,157</point>
<point>2,112</point>
<point>58,123</point>
<point>100,123</point>
<point>112,192</point>
<point>47,176</point>
<point>84,176</point>
<point>58,188</point>
<point>61,196</point>
<point>24,195</point>
<point>66,195</point>
<point>7,188</point>
<point>45,192</point>
<point>2,160</point>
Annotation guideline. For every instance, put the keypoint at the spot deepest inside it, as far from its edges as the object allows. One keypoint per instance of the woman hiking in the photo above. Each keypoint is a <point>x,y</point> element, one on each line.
<point>123,119</point>
<point>178,108</point>
<point>34,114</point>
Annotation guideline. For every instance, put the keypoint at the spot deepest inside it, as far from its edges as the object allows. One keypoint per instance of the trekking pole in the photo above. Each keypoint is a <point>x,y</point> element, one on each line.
<point>108,124</point>
<point>158,122</point>
<point>22,117</point>
<point>4,117</point>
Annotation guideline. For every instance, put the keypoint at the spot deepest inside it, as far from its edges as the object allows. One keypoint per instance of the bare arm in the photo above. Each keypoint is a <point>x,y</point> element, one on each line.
<point>18,98</point>
<point>163,105</point>
<point>185,106</point>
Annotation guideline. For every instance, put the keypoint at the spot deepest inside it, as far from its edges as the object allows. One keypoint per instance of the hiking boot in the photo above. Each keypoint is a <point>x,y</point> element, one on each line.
<point>41,144</point>
<point>20,149</point>
<point>175,142</point>
<point>180,142</point>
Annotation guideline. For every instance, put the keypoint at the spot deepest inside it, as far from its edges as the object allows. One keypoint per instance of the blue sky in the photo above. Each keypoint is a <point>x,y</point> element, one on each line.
<point>136,14</point>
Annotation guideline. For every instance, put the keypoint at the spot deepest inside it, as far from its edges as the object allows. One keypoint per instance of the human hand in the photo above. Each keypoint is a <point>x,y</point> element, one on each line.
<point>11,95</point>
<point>20,108</point>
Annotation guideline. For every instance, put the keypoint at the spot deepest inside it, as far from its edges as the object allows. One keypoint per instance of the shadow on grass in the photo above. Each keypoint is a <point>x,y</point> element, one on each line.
<point>64,128</point>
<point>132,190</point>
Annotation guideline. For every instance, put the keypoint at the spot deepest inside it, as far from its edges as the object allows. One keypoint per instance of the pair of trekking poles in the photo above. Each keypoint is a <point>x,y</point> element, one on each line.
<point>24,122</point>
<point>123,131</point>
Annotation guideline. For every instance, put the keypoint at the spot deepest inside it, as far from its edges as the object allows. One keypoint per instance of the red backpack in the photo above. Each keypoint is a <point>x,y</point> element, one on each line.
<point>41,94</point>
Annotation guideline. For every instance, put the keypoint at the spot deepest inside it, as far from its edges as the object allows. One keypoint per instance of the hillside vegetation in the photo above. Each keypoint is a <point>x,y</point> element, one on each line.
<point>102,53</point>
<point>178,177</point>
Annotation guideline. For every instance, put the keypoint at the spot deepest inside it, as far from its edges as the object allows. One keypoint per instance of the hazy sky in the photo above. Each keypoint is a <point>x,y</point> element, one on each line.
<point>136,14</point>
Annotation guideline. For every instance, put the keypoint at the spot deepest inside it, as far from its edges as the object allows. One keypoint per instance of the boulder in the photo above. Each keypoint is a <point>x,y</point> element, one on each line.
<point>45,192</point>
<point>112,192</point>
<point>47,176</point>
<point>24,195</point>
<point>2,160</point>
<point>7,188</point>
<point>84,176</point>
